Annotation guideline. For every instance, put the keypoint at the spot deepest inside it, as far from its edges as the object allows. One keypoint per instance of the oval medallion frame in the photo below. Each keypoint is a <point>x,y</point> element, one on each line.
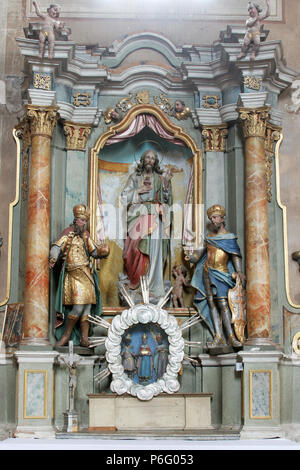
<point>144,314</point>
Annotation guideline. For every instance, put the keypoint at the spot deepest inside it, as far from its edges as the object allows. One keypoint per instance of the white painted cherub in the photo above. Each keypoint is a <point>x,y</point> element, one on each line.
<point>253,24</point>
<point>49,25</point>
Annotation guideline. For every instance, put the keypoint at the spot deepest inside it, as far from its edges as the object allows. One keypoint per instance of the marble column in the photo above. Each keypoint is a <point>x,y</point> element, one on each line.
<point>42,120</point>
<point>254,122</point>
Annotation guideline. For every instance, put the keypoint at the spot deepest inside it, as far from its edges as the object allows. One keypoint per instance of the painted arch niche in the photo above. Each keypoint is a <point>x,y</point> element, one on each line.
<point>113,159</point>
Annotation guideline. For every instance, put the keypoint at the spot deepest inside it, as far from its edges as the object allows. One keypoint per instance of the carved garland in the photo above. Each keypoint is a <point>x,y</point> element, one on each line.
<point>144,314</point>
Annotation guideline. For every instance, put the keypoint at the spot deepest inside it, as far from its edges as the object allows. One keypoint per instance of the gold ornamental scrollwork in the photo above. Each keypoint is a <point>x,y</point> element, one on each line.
<point>252,83</point>
<point>142,97</point>
<point>23,133</point>
<point>215,138</point>
<point>254,121</point>
<point>42,81</point>
<point>211,101</point>
<point>42,119</point>
<point>81,98</point>
<point>273,134</point>
<point>76,135</point>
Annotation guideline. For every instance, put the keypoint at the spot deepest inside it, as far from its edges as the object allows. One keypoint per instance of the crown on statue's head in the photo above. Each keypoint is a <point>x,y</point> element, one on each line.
<point>81,211</point>
<point>216,209</point>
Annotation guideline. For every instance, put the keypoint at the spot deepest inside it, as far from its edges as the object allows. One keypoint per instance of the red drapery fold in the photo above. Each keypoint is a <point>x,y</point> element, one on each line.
<point>138,124</point>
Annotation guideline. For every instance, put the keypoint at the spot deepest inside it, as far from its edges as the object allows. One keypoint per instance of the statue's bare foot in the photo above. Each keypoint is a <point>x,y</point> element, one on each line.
<point>84,342</point>
<point>252,56</point>
<point>64,339</point>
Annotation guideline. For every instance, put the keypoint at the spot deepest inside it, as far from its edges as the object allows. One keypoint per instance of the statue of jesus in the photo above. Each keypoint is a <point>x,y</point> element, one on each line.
<point>147,196</point>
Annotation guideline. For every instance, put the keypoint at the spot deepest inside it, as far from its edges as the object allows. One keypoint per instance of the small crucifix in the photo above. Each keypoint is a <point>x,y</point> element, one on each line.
<point>71,362</point>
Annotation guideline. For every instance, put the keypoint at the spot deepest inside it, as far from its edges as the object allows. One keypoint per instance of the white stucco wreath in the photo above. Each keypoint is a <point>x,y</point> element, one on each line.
<point>144,313</point>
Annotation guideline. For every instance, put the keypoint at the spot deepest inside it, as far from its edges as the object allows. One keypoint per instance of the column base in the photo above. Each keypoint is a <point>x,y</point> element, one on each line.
<point>71,421</point>
<point>261,432</point>
<point>291,431</point>
<point>264,343</point>
<point>35,432</point>
<point>7,431</point>
<point>29,343</point>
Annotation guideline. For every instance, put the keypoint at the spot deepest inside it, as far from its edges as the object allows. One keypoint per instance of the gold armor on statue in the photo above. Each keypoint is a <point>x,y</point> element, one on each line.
<point>216,258</point>
<point>79,284</point>
<point>218,267</point>
<point>78,293</point>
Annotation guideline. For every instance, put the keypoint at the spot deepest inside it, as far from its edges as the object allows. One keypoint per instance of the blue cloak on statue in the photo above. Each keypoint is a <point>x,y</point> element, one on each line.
<point>221,281</point>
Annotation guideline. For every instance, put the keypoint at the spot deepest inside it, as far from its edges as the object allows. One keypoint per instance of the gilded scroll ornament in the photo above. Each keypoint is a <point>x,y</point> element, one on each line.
<point>23,132</point>
<point>125,103</point>
<point>42,119</point>
<point>42,81</point>
<point>272,135</point>
<point>163,103</point>
<point>252,83</point>
<point>81,98</point>
<point>142,97</point>
<point>116,113</point>
<point>76,135</point>
<point>215,138</point>
<point>178,110</point>
<point>211,101</point>
<point>112,114</point>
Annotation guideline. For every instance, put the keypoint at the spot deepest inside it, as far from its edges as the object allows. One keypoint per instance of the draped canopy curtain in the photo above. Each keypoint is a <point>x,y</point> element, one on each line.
<point>135,127</point>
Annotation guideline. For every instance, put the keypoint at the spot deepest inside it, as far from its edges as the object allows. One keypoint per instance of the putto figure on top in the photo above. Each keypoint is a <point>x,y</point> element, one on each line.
<point>253,24</point>
<point>49,25</point>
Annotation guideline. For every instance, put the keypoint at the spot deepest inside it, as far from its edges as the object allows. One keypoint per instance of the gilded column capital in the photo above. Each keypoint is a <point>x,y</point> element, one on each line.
<point>254,121</point>
<point>215,137</point>
<point>76,135</point>
<point>42,119</point>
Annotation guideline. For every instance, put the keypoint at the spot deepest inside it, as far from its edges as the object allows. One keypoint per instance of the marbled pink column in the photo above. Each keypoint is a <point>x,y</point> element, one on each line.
<point>36,302</point>
<point>256,220</point>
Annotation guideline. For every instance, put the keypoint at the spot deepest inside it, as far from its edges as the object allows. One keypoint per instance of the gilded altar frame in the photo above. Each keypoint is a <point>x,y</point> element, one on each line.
<point>179,133</point>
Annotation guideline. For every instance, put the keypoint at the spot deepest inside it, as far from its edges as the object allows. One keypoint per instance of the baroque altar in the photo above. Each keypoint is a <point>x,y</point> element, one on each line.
<point>210,119</point>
